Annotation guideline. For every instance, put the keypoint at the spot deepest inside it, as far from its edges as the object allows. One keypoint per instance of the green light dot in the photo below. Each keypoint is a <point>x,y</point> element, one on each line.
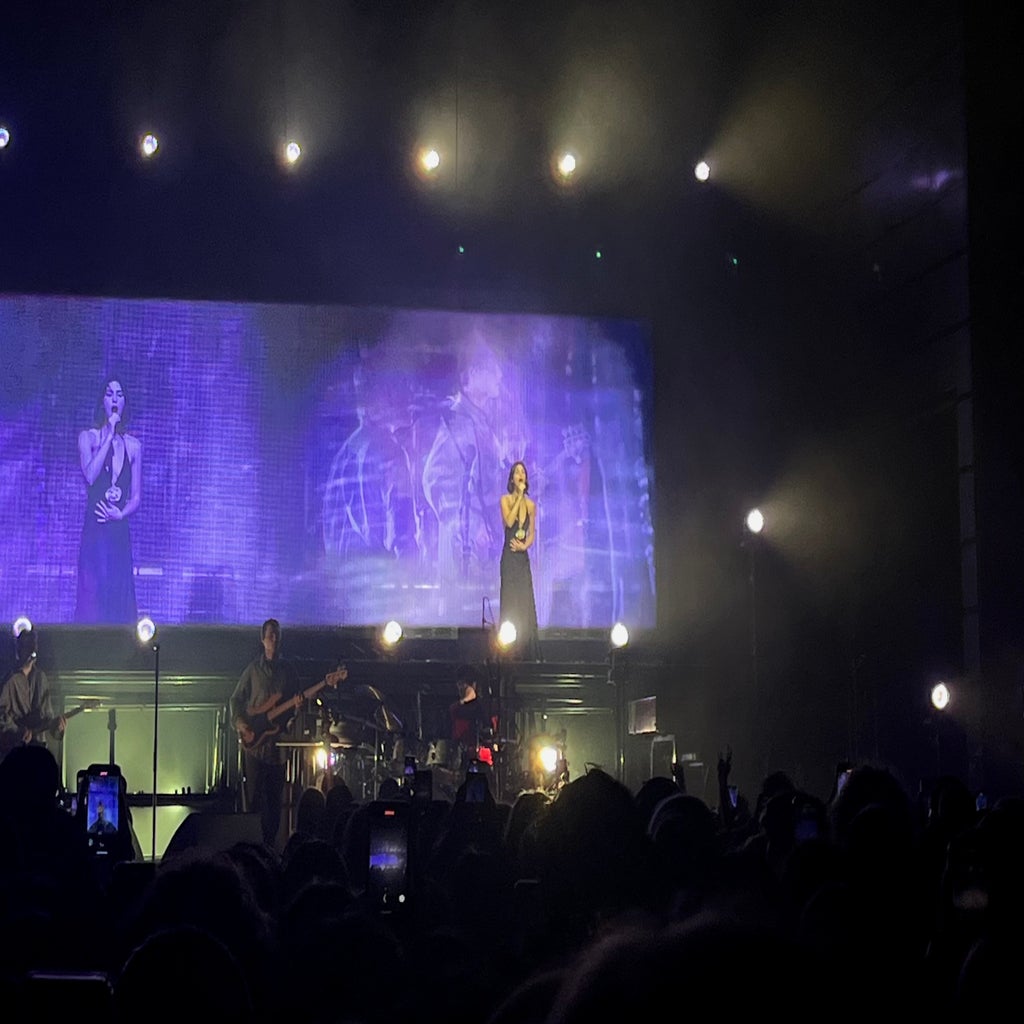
<point>597,254</point>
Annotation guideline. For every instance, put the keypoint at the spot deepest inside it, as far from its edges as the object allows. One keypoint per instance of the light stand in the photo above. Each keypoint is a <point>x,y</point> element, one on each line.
<point>754,523</point>
<point>156,720</point>
<point>146,633</point>
<point>616,679</point>
<point>618,676</point>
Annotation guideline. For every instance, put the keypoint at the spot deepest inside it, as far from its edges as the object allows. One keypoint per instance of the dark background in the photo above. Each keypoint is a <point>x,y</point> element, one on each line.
<point>835,314</point>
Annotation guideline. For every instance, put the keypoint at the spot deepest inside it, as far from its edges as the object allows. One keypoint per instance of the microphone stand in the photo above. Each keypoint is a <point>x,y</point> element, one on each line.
<point>111,727</point>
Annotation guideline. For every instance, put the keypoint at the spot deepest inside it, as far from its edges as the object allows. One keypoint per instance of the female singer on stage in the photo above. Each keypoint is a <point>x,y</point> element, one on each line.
<point>112,466</point>
<point>519,517</point>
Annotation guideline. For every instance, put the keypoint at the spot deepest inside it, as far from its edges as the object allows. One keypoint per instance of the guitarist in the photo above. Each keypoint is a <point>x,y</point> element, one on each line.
<point>26,708</point>
<point>267,676</point>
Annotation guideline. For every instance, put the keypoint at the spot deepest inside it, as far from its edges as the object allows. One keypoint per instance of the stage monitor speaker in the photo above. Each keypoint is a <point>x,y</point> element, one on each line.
<point>213,832</point>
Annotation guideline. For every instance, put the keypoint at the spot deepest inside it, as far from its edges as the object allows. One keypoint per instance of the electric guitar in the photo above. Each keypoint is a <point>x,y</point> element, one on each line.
<point>37,726</point>
<point>257,727</point>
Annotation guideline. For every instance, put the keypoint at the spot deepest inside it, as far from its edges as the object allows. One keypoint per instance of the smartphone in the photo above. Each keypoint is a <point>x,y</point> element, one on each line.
<point>387,876</point>
<point>734,795</point>
<point>102,800</point>
<point>476,787</point>
<point>841,779</point>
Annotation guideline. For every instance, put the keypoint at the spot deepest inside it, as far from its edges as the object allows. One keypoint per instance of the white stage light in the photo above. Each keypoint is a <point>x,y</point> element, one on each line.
<point>149,144</point>
<point>507,634</point>
<point>619,635</point>
<point>292,152</point>
<point>566,165</point>
<point>392,633</point>
<point>430,160</point>
<point>5,137</point>
<point>21,623</point>
<point>702,171</point>
<point>940,696</point>
<point>755,520</point>
<point>145,630</point>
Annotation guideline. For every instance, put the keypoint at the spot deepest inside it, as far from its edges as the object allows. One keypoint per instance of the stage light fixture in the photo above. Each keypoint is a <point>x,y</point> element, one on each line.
<point>430,160</point>
<point>702,171</point>
<point>292,152</point>
<point>546,762</point>
<point>507,634</point>
<point>619,635</point>
<point>548,757</point>
<point>148,145</point>
<point>755,520</point>
<point>21,623</point>
<point>145,630</point>
<point>392,633</point>
<point>566,166</point>
<point>5,137</point>
<point>940,696</point>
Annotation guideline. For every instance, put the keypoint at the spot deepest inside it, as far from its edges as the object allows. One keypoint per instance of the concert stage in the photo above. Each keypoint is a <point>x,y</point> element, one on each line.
<point>394,702</point>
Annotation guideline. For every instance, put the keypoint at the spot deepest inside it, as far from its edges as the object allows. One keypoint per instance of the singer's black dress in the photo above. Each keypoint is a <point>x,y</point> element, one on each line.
<point>106,580</point>
<point>517,603</point>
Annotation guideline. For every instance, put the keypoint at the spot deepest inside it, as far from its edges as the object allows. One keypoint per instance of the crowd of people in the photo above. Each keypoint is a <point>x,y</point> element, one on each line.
<point>595,902</point>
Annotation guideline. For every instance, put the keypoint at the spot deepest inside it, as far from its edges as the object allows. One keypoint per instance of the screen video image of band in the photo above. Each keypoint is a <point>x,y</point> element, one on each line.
<point>205,462</point>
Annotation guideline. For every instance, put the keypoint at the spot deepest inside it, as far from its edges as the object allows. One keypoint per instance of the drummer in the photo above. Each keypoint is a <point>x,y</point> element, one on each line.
<point>469,717</point>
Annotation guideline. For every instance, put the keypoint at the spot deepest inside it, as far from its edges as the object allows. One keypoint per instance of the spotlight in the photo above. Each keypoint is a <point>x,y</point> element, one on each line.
<point>292,152</point>
<point>21,623</point>
<point>392,633</point>
<point>547,767</point>
<point>702,171</point>
<point>548,758</point>
<point>430,160</point>
<point>145,630</point>
<point>148,145</point>
<point>5,137</point>
<point>619,635</point>
<point>566,166</point>
<point>940,696</point>
<point>755,520</point>
<point>506,634</point>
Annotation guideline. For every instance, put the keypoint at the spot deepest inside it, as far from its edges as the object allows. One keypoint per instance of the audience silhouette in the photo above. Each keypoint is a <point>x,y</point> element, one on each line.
<point>553,908</point>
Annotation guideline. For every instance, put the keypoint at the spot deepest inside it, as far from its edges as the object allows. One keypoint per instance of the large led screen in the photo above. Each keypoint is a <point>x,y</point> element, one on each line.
<point>326,465</point>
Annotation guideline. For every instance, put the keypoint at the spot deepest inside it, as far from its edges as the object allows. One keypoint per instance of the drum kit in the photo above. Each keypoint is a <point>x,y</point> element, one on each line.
<point>360,734</point>
<point>359,739</point>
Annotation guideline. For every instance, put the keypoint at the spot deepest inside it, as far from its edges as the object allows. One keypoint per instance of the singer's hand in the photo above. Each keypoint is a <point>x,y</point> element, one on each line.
<point>115,418</point>
<point>107,512</point>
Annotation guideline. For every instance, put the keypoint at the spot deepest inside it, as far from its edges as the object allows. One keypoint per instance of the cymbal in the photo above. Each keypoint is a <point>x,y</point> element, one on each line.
<point>388,720</point>
<point>345,723</point>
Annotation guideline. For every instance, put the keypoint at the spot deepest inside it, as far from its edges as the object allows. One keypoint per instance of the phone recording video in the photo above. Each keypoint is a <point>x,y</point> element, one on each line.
<point>387,877</point>
<point>476,785</point>
<point>101,788</point>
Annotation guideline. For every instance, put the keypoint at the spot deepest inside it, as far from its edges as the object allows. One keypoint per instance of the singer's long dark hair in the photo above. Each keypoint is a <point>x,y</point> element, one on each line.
<point>99,415</point>
<point>511,473</point>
